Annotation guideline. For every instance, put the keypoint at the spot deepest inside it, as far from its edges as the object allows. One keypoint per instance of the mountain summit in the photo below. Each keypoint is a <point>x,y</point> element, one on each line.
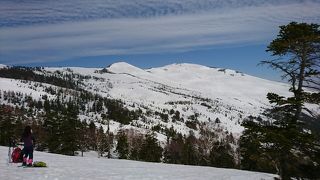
<point>123,67</point>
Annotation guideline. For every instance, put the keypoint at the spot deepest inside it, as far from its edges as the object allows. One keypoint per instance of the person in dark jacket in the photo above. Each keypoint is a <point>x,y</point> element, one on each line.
<point>28,141</point>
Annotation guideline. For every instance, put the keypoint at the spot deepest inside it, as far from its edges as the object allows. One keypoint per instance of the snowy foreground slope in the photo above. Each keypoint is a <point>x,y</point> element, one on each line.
<point>68,168</point>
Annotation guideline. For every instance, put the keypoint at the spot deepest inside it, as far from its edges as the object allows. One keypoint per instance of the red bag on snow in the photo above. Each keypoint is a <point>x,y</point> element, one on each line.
<point>17,156</point>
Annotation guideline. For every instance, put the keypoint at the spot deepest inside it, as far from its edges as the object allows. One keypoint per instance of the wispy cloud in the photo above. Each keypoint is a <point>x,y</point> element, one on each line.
<point>30,12</point>
<point>139,26</point>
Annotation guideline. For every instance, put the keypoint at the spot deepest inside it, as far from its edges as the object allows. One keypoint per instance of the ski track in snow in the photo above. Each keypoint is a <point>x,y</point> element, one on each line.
<point>80,168</point>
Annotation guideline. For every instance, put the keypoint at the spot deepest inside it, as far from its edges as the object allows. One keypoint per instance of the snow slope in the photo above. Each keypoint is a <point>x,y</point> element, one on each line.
<point>27,88</point>
<point>69,168</point>
<point>211,93</point>
<point>3,66</point>
<point>232,95</point>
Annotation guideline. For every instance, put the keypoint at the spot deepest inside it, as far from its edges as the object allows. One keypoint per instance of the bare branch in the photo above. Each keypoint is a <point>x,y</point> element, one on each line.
<point>312,87</point>
<point>283,66</point>
<point>310,112</point>
<point>312,81</point>
<point>277,65</point>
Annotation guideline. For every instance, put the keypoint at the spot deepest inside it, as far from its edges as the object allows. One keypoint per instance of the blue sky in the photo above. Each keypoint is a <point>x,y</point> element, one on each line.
<point>147,33</point>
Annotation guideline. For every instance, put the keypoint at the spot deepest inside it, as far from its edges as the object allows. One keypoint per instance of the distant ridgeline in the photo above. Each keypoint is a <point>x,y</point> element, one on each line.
<point>53,113</point>
<point>58,124</point>
<point>28,73</point>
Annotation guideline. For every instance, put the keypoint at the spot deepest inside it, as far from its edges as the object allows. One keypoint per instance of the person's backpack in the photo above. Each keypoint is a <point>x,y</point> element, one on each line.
<point>17,156</point>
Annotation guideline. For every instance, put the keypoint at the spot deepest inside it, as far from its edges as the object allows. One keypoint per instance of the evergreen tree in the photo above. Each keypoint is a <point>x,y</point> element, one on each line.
<point>53,126</point>
<point>84,137</point>
<point>7,122</point>
<point>135,141</point>
<point>251,149</point>
<point>189,151</point>
<point>70,130</point>
<point>282,140</point>
<point>221,156</point>
<point>150,150</point>
<point>173,150</point>
<point>40,134</point>
<point>92,133</point>
<point>176,116</point>
<point>102,142</point>
<point>122,146</point>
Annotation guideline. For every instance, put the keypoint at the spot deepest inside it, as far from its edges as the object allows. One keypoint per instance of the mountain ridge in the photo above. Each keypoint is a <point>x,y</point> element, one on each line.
<point>190,89</point>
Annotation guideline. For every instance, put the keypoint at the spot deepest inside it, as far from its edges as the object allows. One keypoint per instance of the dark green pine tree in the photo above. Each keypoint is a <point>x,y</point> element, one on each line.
<point>173,150</point>
<point>135,144</point>
<point>7,122</point>
<point>150,150</point>
<point>92,133</point>
<point>70,130</point>
<point>18,125</point>
<point>251,148</point>
<point>53,126</point>
<point>39,133</point>
<point>122,145</point>
<point>221,155</point>
<point>189,151</point>
<point>83,137</point>
<point>283,140</point>
<point>102,142</point>
<point>2,126</point>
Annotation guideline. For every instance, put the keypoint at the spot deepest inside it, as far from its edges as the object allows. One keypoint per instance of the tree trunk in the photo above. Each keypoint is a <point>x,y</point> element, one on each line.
<point>108,131</point>
<point>298,93</point>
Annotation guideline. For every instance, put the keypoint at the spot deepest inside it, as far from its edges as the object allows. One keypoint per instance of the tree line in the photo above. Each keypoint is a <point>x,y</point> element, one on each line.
<point>59,130</point>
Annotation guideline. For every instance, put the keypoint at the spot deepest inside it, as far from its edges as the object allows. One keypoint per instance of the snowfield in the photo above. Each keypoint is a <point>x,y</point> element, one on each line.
<point>210,93</point>
<point>68,168</point>
<point>226,91</point>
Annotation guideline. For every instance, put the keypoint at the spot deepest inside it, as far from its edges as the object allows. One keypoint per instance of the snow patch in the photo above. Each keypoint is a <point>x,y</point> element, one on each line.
<point>3,66</point>
<point>67,167</point>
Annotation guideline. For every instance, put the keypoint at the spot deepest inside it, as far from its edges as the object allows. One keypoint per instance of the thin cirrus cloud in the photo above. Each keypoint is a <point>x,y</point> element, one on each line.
<point>55,31</point>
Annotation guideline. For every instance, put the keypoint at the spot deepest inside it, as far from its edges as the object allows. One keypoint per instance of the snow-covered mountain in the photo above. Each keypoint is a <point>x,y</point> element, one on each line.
<point>222,98</point>
<point>210,92</point>
<point>68,168</point>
